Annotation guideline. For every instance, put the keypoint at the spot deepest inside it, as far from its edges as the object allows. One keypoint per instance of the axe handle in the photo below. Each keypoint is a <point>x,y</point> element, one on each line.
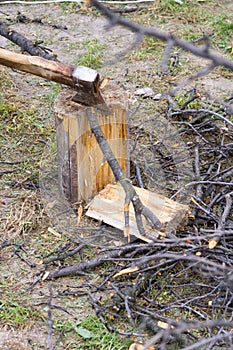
<point>51,70</point>
<point>83,80</point>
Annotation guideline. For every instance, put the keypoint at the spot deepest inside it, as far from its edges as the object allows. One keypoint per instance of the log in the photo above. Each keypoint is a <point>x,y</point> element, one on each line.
<point>82,170</point>
<point>108,206</point>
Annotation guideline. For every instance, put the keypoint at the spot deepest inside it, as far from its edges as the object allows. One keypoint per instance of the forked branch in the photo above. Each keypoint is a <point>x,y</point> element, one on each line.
<point>131,195</point>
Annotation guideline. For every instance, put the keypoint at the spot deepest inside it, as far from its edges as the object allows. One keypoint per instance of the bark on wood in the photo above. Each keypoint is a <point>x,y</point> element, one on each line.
<point>78,269</point>
<point>25,44</point>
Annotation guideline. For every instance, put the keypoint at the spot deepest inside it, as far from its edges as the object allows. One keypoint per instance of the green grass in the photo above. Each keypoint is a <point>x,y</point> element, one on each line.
<point>23,133</point>
<point>150,49</point>
<point>90,334</point>
<point>182,98</point>
<point>190,20</point>
<point>93,56</point>
<point>67,7</point>
<point>223,32</point>
<point>14,314</point>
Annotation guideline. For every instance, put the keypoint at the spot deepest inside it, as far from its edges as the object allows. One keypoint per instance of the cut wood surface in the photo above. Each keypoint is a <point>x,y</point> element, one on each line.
<point>108,206</point>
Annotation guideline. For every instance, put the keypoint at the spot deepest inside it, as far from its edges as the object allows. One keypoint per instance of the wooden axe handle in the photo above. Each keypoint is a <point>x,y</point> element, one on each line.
<point>51,70</point>
<point>84,80</point>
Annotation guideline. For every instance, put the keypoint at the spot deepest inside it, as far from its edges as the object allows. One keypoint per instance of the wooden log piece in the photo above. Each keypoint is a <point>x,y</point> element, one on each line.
<point>82,170</point>
<point>108,206</point>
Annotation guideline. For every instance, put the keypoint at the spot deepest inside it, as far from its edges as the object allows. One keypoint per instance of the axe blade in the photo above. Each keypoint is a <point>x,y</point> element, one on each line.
<point>87,86</point>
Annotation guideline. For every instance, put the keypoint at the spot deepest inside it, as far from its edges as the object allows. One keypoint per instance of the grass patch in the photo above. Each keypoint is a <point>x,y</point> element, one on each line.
<point>23,135</point>
<point>67,7</point>
<point>190,20</point>
<point>14,314</point>
<point>93,56</point>
<point>90,334</point>
<point>151,48</point>
<point>183,98</point>
<point>223,32</point>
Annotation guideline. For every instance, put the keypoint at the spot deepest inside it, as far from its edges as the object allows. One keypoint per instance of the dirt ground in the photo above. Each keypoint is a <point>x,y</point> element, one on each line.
<point>24,219</point>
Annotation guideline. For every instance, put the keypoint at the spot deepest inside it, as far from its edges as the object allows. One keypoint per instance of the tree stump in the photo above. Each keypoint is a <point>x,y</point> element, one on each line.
<point>82,170</point>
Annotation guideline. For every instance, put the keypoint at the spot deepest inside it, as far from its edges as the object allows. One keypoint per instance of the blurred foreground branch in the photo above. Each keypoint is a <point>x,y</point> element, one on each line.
<point>171,40</point>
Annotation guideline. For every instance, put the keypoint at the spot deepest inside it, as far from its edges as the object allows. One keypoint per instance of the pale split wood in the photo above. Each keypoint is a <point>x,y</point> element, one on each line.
<point>108,206</point>
<point>83,171</point>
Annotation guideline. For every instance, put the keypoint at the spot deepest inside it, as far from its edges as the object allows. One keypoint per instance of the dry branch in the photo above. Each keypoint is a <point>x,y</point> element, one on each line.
<point>171,40</point>
<point>130,193</point>
<point>24,43</point>
<point>84,266</point>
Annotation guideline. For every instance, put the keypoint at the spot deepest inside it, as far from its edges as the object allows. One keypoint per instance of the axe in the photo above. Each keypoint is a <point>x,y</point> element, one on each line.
<point>85,81</point>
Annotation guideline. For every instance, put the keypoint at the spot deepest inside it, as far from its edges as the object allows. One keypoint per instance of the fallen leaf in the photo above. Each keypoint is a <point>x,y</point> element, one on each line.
<point>45,276</point>
<point>54,232</point>
<point>80,213</point>
<point>83,332</point>
<point>162,324</point>
<point>193,200</point>
<point>126,271</point>
<point>162,234</point>
<point>157,97</point>
<point>145,92</point>
<point>212,243</point>
<point>87,3</point>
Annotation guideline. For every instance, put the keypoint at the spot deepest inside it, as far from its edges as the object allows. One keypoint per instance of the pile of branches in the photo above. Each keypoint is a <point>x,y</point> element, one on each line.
<point>178,289</point>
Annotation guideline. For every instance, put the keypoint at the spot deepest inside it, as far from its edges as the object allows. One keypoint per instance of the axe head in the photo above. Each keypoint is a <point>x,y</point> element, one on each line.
<point>87,86</point>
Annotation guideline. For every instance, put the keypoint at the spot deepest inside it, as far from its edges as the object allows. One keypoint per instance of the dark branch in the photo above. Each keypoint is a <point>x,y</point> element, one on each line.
<point>25,44</point>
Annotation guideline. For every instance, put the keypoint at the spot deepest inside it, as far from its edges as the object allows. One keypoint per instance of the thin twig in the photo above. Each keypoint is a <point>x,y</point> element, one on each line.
<point>50,322</point>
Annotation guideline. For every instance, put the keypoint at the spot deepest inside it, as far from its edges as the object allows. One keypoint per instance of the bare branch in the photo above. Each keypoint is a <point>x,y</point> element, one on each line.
<point>131,195</point>
<point>202,72</point>
<point>216,59</point>
<point>25,44</point>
